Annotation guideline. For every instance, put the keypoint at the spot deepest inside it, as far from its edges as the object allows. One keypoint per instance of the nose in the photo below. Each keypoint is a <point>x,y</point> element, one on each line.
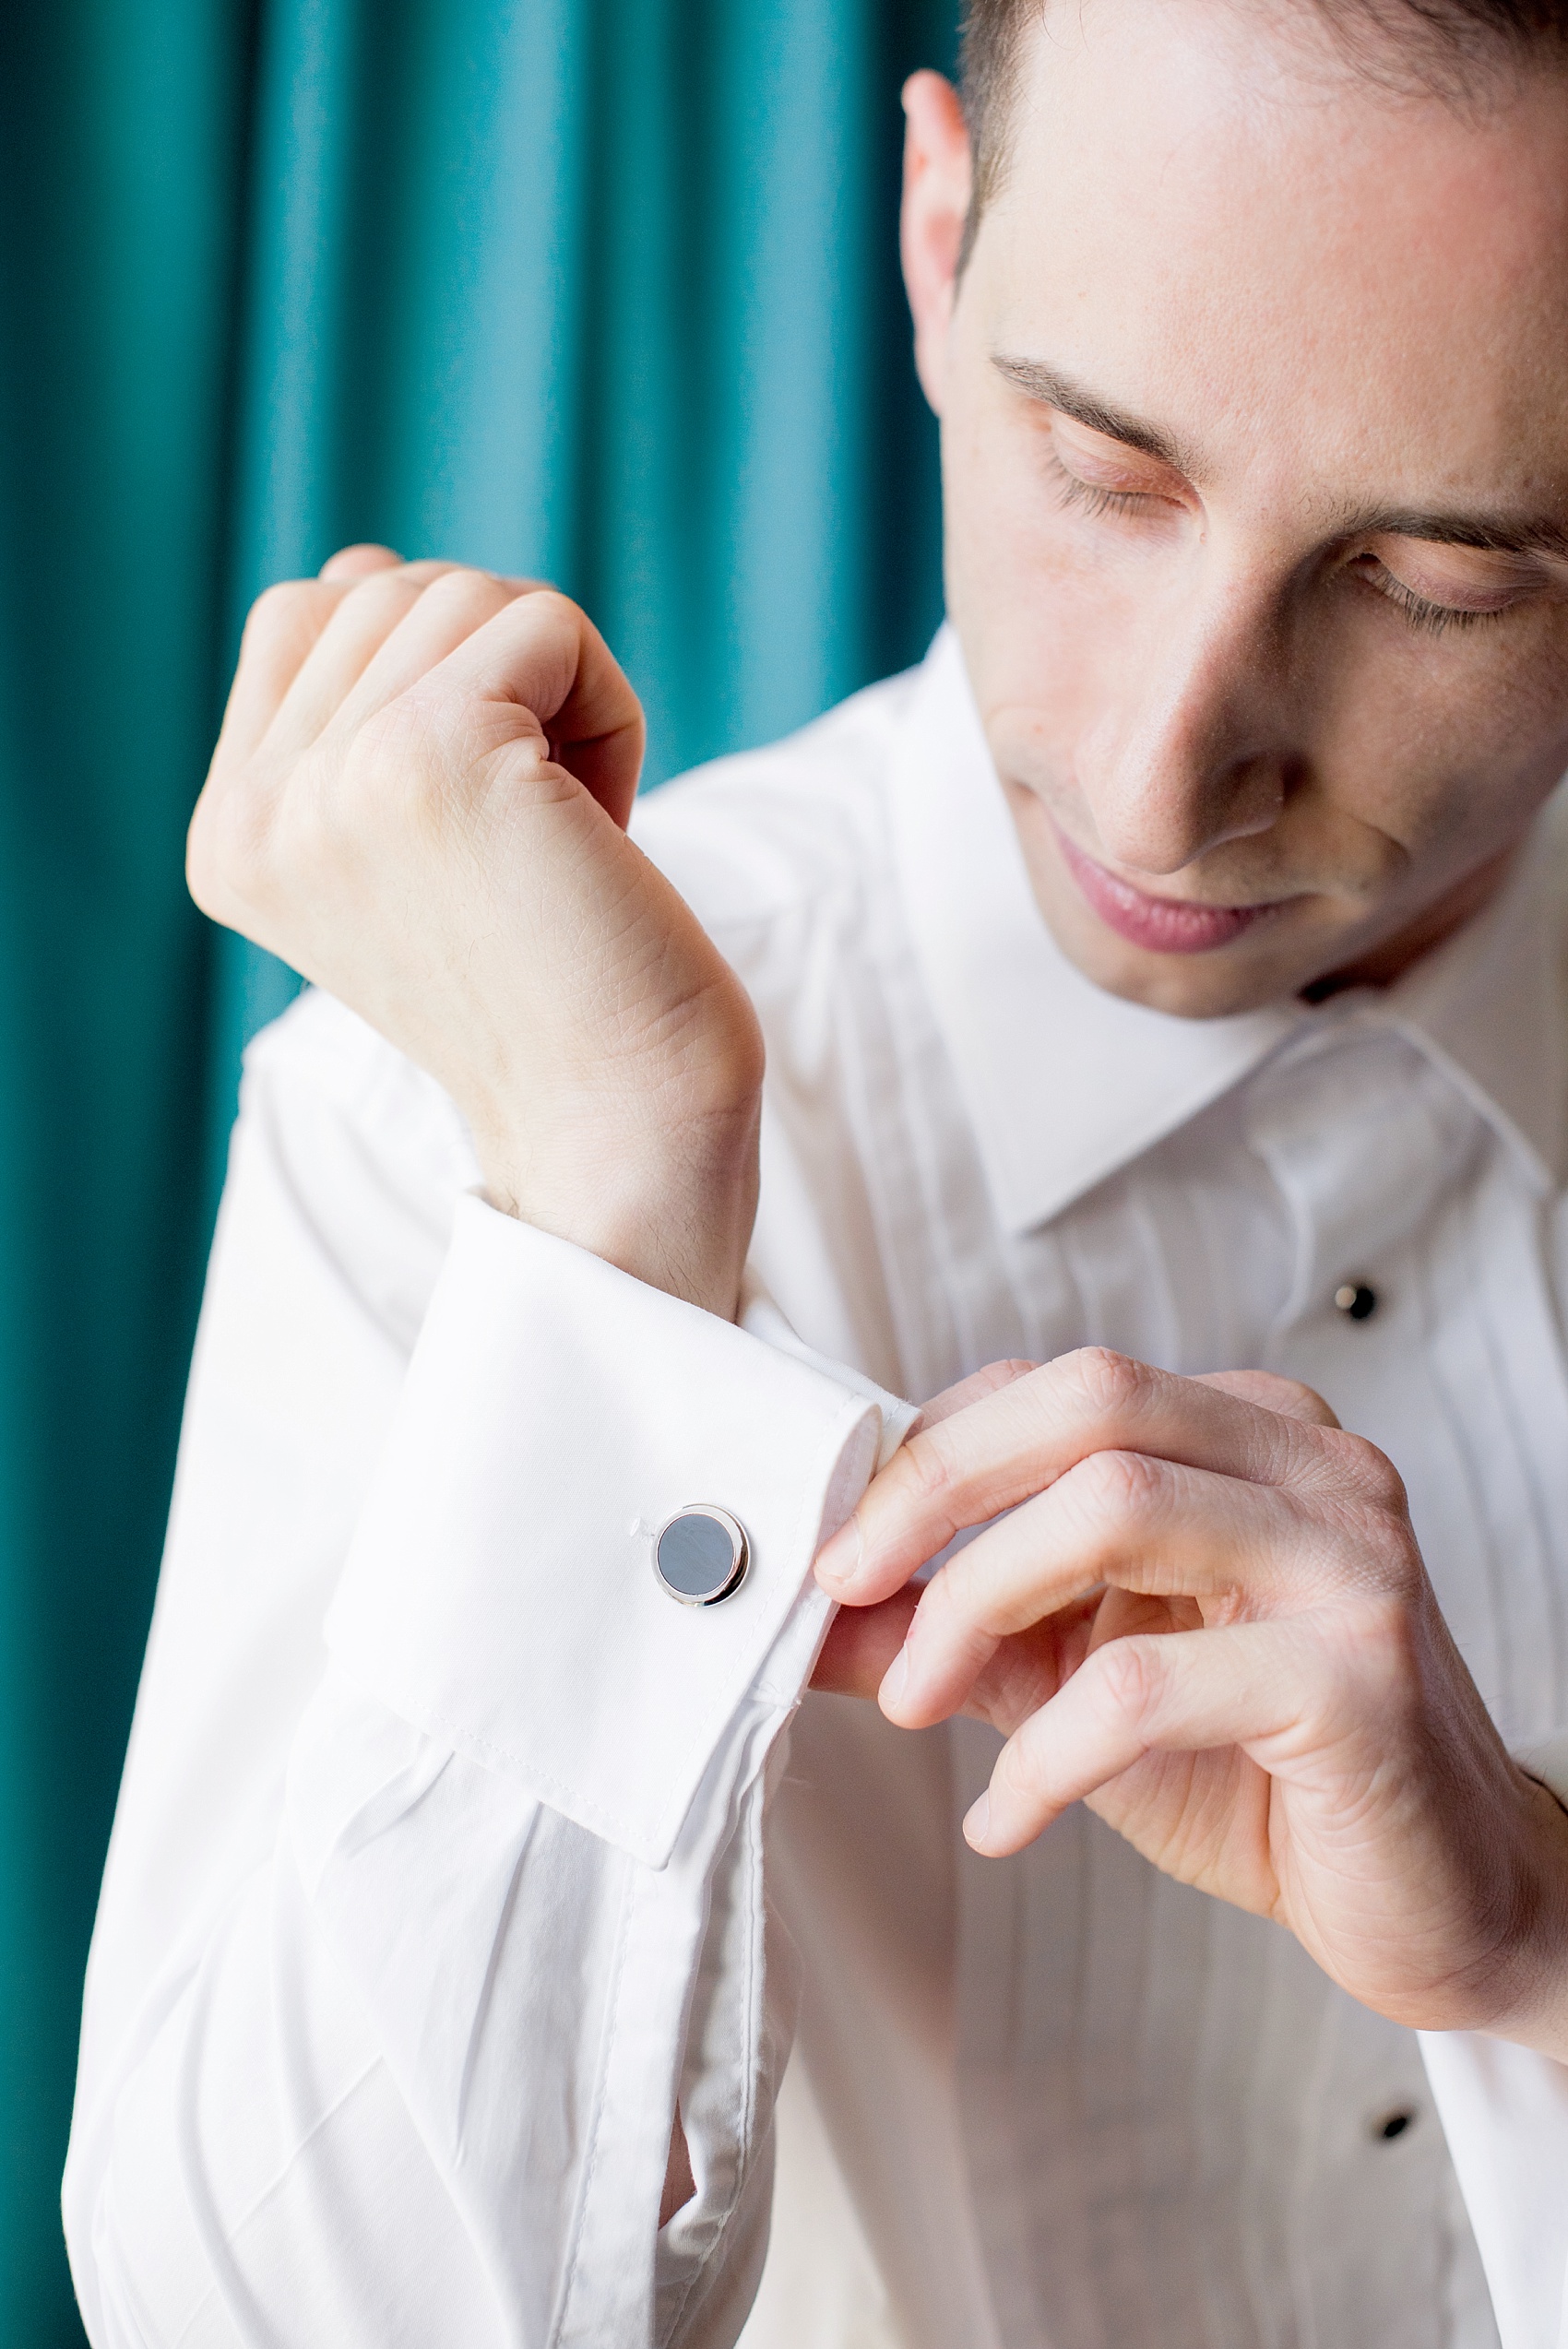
<point>1195,745</point>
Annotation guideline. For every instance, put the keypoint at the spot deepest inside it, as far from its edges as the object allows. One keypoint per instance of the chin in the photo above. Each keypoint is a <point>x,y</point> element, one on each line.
<point>1224,985</point>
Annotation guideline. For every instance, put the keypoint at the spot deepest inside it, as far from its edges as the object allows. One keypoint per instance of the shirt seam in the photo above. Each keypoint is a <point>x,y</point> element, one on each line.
<point>596,2124</point>
<point>753,1843</point>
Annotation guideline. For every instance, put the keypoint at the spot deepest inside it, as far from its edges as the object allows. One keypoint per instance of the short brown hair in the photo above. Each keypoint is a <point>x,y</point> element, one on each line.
<point>1441,44</point>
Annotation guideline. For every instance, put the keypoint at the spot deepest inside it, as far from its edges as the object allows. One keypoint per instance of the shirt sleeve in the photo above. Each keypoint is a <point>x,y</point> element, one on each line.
<point>1505,2112</point>
<point>437,1877</point>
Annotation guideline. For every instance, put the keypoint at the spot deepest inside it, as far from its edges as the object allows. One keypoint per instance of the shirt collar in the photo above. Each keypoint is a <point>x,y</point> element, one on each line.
<point>1063,1084</point>
<point>1490,1007</point>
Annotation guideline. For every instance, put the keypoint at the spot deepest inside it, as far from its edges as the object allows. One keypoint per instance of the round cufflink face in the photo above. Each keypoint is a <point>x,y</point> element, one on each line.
<point>700,1555</point>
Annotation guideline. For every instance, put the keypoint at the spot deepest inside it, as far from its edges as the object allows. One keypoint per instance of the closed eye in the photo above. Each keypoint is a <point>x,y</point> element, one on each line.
<point>1420,610</point>
<point>1092,498</point>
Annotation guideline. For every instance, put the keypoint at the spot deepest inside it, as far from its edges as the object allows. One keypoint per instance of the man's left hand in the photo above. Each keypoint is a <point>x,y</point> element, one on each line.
<point>1206,1616</point>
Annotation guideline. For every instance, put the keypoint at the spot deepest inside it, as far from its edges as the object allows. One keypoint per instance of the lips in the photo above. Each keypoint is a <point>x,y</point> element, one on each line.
<point>1160,925</point>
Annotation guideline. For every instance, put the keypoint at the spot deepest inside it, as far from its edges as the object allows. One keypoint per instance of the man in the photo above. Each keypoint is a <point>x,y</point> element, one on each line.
<point>446,1972</point>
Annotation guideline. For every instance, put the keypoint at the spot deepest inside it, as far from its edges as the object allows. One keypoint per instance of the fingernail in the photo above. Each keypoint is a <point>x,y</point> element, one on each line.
<point>894,1680</point>
<point>837,1558</point>
<point>976,1822</point>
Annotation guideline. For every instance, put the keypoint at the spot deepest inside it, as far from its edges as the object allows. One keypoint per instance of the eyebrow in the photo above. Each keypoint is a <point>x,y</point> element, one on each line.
<point>1053,389</point>
<point>1487,533</point>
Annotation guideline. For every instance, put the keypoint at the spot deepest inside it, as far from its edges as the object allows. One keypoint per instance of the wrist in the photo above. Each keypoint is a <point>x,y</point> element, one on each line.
<point>676,1215</point>
<point>1532,2009</point>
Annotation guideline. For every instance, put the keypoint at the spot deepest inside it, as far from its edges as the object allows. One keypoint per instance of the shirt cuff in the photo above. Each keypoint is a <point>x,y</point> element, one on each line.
<point>1505,2112</point>
<point>1548,1761</point>
<point>499,1591</point>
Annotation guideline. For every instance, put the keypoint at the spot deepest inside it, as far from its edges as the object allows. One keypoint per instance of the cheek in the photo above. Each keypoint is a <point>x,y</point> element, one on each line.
<point>1445,746</point>
<point>1040,620</point>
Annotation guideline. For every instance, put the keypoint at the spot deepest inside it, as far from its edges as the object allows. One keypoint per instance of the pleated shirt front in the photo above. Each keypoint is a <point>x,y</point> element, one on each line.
<point>1128,2116</point>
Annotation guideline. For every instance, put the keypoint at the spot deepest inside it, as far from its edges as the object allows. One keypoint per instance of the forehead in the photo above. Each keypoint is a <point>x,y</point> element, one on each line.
<point>1208,218</point>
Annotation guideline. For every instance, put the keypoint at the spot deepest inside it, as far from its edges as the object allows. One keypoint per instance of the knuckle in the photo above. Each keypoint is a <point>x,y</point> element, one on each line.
<point>1375,1558</point>
<point>1125,1680</point>
<point>976,1388</point>
<point>464,587</point>
<point>1111,1382</point>
<point>1383,1655</point>
<point>1377,1478</point>
<point>930,1465</point>
<point>284,620</point>
<point>1391,1560</point>
<point>277,609</point>
<point>1116,1485</point>
<point>395,587</point>
<point>951,1605</point>
<point>1018,1772</point>
<point>1298,1401</point>
<point>398,766</point>
<point>995,1377</point>
<point>549,606</point>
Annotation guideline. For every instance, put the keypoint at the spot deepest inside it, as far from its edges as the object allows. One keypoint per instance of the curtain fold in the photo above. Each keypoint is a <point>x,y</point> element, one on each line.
<point>599,290</point>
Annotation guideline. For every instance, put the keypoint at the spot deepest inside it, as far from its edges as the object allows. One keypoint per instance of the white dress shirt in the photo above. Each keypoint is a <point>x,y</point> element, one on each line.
<point>451,1851</point>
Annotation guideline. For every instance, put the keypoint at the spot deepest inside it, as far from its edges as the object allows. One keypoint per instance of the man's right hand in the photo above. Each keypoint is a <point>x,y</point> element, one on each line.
<point>418,799</point>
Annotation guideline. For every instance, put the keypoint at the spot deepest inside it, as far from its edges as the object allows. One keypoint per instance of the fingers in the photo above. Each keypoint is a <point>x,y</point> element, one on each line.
<point>543,655</point>
<point>391,627</point>
<point>861,1643</point>
<point>1258,1687</point>
<point>282,628</point>
<point>1123,1523</point>
<point>1019,1440</point>
<point>338,650</point>
<point>1271,1392</point>
<point>953,1399</point>
<point>308,642</point>
<point>1152,1527</point>
<point>358,561</point>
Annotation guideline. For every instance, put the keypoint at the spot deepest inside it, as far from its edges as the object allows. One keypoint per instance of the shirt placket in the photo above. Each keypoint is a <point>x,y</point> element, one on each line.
<point>1421,1309</point>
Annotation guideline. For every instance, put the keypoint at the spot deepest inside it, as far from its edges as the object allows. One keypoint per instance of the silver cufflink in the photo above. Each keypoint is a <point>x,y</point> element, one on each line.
<point>700,1555</point>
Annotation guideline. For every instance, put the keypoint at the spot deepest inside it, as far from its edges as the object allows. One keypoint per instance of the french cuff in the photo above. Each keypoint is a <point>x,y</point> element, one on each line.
<point>500,1590</point>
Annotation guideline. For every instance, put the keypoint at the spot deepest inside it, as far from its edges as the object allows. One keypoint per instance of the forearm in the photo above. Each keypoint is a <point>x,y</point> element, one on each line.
<point>417,2076</point>
<point>430,2018</point>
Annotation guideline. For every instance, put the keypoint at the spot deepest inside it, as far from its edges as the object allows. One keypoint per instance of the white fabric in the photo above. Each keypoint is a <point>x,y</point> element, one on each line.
<point>450,1852</point>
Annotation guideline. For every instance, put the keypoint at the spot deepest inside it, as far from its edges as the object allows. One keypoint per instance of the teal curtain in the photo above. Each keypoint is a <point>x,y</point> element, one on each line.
<point>602,290</point>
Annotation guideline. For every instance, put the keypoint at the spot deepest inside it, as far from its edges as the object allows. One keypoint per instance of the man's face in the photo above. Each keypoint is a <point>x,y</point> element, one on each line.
<point>1255,410</point>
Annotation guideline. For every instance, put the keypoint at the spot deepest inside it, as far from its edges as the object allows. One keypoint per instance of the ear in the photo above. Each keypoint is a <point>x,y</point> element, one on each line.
<point>936,203</point>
